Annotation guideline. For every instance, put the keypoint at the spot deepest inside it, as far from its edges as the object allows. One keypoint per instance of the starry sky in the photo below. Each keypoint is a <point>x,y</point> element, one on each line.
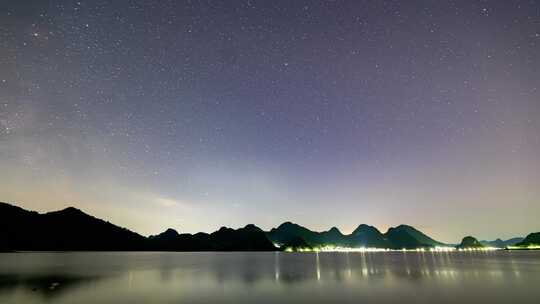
<point>200,114</point>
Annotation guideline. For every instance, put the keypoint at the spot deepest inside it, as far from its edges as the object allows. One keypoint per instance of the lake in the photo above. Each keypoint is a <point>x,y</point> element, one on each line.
<point>248,277</point>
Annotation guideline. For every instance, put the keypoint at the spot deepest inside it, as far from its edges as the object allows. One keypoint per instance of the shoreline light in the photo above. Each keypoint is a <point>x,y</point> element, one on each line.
<point>374,249</point>
<point>530,247</point>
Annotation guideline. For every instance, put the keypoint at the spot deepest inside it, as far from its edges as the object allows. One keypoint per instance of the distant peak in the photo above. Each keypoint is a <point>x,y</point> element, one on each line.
<point>251,227</point>
<point>8,205</point>
<point>334,230</point>
<point>364,227</point>
<point>288,224</point>
<point>171,231</point>
<point>403,226</point>
<point>223,229</point>
<point>72,210</point>
<point>469,242</point>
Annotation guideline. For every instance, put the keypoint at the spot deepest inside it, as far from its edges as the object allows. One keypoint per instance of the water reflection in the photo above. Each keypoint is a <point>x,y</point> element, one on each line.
<point>304,277</point>
<point>46,286</point>
<point>276,266</point>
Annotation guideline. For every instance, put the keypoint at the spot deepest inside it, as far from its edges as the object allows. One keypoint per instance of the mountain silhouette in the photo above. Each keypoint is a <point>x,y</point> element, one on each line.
<point>288,231</point>
<point>399,237</point>
<point>368,236</point>
<point>71,229</point>
<point>333,236</point>
<point>67,229</point>
<point>295,244</point>
<point>249,238</point>
<point>469,242</point>
<point>532,239</point>
<point>404,236</point>
<point>498,243</point>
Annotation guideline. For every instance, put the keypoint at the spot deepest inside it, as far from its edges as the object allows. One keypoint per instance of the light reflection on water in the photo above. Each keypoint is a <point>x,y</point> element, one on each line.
<point>383,277</point>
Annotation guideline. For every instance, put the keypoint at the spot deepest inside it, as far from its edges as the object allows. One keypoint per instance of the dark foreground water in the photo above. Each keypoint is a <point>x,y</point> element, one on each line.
<point>459,277</point>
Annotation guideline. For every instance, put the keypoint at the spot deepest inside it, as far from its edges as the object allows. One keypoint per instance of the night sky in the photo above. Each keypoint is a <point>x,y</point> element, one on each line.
<point>200,114</point>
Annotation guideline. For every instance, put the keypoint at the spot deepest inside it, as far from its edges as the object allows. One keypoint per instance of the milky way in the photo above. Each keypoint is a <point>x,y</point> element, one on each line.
<point>198,114</point>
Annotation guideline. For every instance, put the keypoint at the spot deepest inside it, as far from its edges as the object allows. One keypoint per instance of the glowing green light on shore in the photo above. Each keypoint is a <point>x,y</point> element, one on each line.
<point>530,247</point>
<point>437,249</point>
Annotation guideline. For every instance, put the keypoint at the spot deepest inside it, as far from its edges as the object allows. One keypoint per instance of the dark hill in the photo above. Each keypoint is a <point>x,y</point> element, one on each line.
<point>68,229</point>
<point>249,238</point>
<point>165,241</point>
<point>72,229</point>
<point>409,235</point>
<point>288,231</point>
<point>404,236</point>
<point>532,239</point>
<point>469,242</point>
<point>399,237</point>
<point>296,244</point>
<point>368,236</point>
<point>333,236</point>
<point>498,243</point>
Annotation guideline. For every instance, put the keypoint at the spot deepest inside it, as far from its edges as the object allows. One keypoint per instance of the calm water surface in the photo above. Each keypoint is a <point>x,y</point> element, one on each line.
<point>496,277</point>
